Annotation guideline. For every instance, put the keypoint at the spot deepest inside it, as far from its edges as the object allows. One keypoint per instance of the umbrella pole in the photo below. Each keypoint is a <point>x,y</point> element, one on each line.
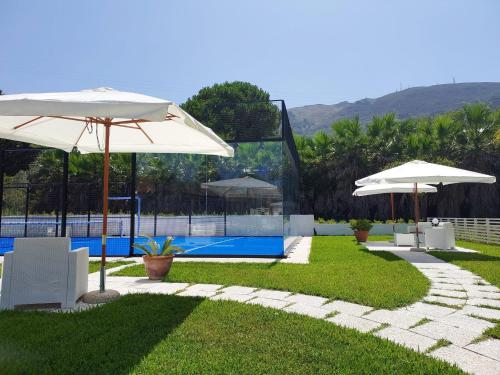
<point>102,286</point>
<point>417,214</point>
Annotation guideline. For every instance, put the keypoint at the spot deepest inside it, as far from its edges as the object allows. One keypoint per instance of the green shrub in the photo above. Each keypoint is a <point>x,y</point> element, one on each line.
<point>360,224</point>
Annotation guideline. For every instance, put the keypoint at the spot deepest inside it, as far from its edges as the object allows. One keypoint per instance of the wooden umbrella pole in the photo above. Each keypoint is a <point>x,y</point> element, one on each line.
<point>107,126</point>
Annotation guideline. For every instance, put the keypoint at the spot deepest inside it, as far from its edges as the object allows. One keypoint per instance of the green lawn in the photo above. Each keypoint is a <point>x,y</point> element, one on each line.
<point>154,334</point>
<point>95,265</point>
<point>339,268</point>
<point>485,264</point>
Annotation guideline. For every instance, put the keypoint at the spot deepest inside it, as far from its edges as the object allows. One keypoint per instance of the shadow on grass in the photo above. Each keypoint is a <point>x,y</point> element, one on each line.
<point>456,256</point>
<point>111,339</point>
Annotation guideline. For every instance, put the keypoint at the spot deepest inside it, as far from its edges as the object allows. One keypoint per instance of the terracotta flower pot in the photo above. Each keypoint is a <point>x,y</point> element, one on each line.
<point>361,235</point>
<point>157,267</point>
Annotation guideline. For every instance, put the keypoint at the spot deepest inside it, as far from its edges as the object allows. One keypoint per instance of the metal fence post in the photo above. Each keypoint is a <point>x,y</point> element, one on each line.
<point>89,191</point>
<point>155,210</point>
<point>26,209</point>
<point>64,209</point>
<point>487,224</point>
<point>133,183</point>
<point>2,160</point>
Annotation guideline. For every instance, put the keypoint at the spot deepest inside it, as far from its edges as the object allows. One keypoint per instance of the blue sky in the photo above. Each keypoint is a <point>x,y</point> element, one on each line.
<point>305,52</point>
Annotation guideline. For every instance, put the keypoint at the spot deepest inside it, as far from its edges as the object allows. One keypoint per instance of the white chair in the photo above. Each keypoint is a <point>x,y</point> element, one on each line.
<point>404,239</point>
<point>441,237</point>
<point>42,271</point>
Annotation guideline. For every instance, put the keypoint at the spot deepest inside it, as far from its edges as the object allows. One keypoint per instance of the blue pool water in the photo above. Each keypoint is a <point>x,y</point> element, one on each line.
<point>193,246</point>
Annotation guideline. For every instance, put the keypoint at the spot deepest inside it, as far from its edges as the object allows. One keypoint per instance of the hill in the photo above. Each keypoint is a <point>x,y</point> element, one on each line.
<point>412,102</point>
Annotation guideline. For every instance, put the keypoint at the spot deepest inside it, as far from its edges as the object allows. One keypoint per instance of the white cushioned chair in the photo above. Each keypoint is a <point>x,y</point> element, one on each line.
<point>440,237</point>
<point>42,271</point>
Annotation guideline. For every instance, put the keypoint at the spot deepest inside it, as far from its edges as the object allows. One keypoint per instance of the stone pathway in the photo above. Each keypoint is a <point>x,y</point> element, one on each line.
<point>447,324</point>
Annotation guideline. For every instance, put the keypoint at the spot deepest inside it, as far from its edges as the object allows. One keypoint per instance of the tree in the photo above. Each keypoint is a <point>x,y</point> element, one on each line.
<point>236,111</point>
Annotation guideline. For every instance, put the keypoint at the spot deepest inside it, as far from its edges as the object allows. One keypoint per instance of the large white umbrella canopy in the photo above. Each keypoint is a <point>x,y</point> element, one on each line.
<point>140,123</point>
<point>106,120</point>
<point>392,188</point>
<point>418,171</point>
<point>241,187</point>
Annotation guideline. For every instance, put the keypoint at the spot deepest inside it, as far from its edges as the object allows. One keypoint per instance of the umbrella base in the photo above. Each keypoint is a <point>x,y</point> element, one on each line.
<point>97,297</point>
<point>419,249</point>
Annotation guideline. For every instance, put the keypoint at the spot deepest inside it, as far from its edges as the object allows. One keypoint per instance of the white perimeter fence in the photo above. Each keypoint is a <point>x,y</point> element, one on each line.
<point>486,230</point>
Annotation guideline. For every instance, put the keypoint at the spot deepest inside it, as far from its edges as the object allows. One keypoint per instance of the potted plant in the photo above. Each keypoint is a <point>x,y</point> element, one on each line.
<point>158,259</point>
<point>361,227</point>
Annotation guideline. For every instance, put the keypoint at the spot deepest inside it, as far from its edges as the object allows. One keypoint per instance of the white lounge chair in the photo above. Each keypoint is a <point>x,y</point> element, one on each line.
<point>43,271</point>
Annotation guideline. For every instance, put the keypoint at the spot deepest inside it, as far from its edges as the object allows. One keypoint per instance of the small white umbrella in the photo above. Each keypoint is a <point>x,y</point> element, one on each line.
<point>392,188</point>
<point>106,120</point>
<point>242,186</point>
<point>418,171</point>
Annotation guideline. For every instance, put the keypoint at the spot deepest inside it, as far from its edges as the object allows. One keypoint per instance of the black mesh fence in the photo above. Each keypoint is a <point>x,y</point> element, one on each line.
<point>45,193</point>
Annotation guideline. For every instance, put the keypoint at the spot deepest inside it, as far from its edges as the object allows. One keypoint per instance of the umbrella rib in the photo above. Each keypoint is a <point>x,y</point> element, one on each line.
<point>27,122</point>
<point>143,132</point>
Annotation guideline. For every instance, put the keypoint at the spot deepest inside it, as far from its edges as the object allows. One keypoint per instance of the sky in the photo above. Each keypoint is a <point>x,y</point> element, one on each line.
<point>305,52</point>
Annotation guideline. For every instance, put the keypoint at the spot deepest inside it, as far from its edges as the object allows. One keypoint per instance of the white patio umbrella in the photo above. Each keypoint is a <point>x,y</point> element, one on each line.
<point>392,188</point>
<point>418,171</point>
<point>242,186</point>
<point>105,120</point>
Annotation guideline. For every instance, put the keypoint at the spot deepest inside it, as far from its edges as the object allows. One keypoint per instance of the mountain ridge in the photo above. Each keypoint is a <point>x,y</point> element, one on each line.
<point>411,102</point>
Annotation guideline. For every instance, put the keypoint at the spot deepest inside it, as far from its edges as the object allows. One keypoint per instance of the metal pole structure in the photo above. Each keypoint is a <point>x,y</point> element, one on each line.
<point>26,208</point>
<point>190,214</point>
<point>225,216</point>
<point>155,211</point>
<point>105,187</point>
<point>88,208</point>
<point>64,210</point>
<point>2,172</point>
<point>133,183</point>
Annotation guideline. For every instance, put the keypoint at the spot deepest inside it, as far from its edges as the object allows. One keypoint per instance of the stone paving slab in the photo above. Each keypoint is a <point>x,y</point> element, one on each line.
<point>481,288</point>
<point>467,360</point>
<point>238,290</point>
<point>484,302</point>
<point>268,302</point>
<point>489,295</point>
<point>347,308</point>
<point>482,312</point>
<point>398,318</point>
<point>197,293</point>
<point>307,300</point>
<point>438,330</point>
<point>409,339</point>
<point>447,286</point>
<point>205,287</point>
<point>305,309</point>
<point>448,293</point>
<point>231,297</point>
<point>273,294</point>
<point>430,311</point>
<point>354,322</point>
<point>489,348</point>
<point>445,280</point>
<point>446,300</point>
<point>466,322</point>
<point>168,288</point>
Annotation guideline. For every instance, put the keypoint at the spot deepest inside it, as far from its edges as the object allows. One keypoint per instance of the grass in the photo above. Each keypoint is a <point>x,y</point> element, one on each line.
<point>95,265</point>
<point>486,264</point>
<point>339,268</point>
<point>153,334</point>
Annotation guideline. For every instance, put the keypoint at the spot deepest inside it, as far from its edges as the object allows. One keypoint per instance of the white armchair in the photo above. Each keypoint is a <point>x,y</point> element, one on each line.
<point>441,237</point>
<point>44,270</point>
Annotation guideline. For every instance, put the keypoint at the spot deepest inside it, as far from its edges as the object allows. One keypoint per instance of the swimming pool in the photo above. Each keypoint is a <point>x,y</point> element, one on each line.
<point>193,246</point>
